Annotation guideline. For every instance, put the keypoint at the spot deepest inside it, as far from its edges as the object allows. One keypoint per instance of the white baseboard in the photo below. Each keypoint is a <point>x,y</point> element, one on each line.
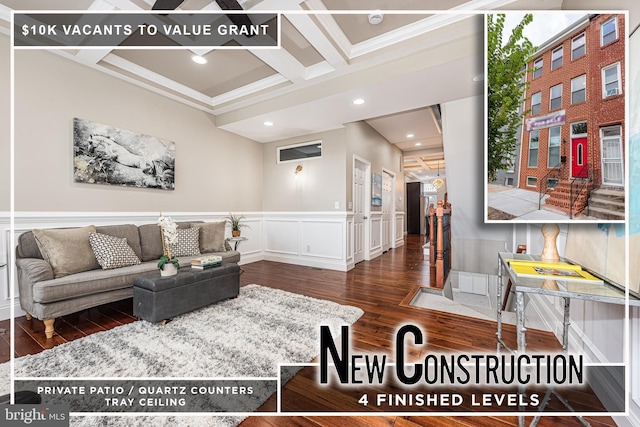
<point>308,262</point>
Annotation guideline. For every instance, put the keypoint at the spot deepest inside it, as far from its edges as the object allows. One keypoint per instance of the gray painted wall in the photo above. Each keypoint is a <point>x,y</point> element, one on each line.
<point>365,142</point>
<point>216,171</point>
<point>317,187</point>
<point>5,122</point>
<point>463,134</point>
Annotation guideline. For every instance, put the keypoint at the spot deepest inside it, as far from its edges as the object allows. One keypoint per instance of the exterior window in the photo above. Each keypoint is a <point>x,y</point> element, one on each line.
<point>553,160</point>
<point>578,47</point>
<point>611,80</point>
<point>535,103</point>
<point>555,97</point>
<point>556,58</point>
<point>609,31</point>
<point>552,182</point>
<point>532,181</point>
<point>537,68</point>
<point>578,89</point>
<point>533,148</point>
<point>578,129</point>
<point>612,160</point>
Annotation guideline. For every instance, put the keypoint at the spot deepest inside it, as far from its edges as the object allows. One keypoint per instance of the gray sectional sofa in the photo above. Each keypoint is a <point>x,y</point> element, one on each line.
<point>48,291</point>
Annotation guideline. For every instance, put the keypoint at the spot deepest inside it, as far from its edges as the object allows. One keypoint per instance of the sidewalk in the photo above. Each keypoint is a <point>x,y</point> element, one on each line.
<point>522,204</point>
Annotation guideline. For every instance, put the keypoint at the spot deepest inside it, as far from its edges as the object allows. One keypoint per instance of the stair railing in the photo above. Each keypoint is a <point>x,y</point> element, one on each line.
<point>544,188</point>
<point>585,176</point>
<point>440,243</point>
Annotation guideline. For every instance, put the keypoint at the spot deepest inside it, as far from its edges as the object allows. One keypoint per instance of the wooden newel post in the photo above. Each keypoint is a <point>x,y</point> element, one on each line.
<point>432,236</point>
<point>440,246</point>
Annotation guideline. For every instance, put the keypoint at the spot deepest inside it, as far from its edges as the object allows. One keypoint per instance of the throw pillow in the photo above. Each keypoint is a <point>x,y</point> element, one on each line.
<point>67,249</point>
<point>188,242</point>
<point>212,236</point>
<point>112,252</point>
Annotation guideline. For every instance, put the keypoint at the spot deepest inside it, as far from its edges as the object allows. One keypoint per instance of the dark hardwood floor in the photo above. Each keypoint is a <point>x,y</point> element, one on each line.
<point>381,288</point>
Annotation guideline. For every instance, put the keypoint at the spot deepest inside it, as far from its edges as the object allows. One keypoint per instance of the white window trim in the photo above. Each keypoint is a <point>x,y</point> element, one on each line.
<point>538,68</point>
<point>534,178</point>
<point>604,83</point>
<point>585,88</point>
<point>615,19</point>
<point>602,159</point>
<point>549,147</point>
<point>539,103</point>
<point>561,57</point>
<point>577,135</point>
<point>529,165</point>
<point>551,98</point>
<point>584,44</point>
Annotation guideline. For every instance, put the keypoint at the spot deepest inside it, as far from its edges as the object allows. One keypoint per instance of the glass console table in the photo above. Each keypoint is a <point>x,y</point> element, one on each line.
<point>607,292</point>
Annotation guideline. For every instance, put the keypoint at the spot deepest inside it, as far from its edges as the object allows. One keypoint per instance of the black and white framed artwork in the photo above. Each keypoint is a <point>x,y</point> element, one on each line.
<point>104,154</point>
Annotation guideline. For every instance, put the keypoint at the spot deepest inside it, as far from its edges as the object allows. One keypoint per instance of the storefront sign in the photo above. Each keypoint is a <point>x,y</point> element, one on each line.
<point>546,121</point>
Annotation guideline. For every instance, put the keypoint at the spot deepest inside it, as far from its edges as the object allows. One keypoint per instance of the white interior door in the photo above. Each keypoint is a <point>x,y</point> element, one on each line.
<point>359,210</point>
<point>387,210</point>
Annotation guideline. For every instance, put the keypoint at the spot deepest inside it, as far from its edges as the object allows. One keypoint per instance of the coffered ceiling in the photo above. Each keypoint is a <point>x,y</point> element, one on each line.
<point>330,55</point>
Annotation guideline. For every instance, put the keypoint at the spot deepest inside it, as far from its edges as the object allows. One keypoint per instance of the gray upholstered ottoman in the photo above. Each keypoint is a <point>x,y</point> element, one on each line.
<point>157,298</point>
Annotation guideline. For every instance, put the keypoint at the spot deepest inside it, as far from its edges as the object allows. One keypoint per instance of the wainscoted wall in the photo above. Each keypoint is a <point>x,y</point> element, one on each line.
<point>315,239</point>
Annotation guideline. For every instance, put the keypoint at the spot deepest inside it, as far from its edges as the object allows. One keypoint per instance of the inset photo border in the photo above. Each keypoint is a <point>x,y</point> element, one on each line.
<point>556,132</point>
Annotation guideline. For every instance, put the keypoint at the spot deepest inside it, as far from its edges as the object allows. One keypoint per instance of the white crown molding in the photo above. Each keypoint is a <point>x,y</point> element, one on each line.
<point>155,77</point>
<point>316,38</point>
<point>319,69</point>
<point>5,13</point>
<point>407,32</point>
<point>257,86</point>
<point>331,27</point>
<point>283,62</point>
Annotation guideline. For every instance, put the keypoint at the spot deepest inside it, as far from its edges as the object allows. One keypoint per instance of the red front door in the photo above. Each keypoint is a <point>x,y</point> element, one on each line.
<point>579,166</point>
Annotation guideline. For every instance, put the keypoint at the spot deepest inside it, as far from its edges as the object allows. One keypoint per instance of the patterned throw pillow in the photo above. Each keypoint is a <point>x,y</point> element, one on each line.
<point>188,243</point>
<point>112,252</point>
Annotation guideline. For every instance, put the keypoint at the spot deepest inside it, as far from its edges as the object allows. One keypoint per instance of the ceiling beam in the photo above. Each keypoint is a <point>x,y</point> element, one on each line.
<point>310,31</point>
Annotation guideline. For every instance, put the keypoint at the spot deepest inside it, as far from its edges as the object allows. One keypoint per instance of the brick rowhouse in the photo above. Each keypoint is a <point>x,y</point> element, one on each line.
<point>580,73</point>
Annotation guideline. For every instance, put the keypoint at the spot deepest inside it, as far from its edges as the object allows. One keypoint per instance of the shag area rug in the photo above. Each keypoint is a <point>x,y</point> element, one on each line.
<point>243,337</point>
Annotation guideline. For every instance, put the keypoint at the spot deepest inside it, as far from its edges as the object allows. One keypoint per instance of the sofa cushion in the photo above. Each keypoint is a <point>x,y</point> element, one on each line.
<point>89,283</point>
<point>67,249</point>
<point>212,236</point>
<point>151,240</point>
<point>124,231</point>
<point>112,252</point>
<point>27,246</point>
<point>187,244</point>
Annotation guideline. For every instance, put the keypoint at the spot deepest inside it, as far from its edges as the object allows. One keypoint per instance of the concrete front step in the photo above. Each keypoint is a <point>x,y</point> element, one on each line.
<point>605,214</point>
<point>613,195</point>
<point>613,205</point>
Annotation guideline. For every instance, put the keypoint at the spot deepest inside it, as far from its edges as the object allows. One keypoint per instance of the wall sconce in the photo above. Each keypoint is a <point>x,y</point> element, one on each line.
<point>298,170</point>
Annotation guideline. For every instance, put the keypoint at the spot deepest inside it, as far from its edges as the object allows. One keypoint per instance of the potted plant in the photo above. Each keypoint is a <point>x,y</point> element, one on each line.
<point>236,225</point>
<point>168,264</point>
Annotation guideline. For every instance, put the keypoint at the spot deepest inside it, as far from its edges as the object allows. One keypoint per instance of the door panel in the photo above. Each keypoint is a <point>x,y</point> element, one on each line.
<point>359,195</point>
<point>579,158</point>
<point>387,205</point>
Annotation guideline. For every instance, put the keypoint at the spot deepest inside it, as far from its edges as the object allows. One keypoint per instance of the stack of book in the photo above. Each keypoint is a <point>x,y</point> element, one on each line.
<point>552,270</point>
<point>207,261</point>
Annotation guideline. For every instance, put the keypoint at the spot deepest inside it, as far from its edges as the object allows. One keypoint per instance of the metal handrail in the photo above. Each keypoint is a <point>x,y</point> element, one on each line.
<point>584,180</point>
<point>556,172</point>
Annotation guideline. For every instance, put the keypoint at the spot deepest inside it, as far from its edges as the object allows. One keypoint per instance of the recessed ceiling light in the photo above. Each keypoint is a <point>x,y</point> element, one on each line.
<point>199,59</point>
<point>410,135</point>
<point>358,101</point>
<point>418,144</point>
<point>268,123</point>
